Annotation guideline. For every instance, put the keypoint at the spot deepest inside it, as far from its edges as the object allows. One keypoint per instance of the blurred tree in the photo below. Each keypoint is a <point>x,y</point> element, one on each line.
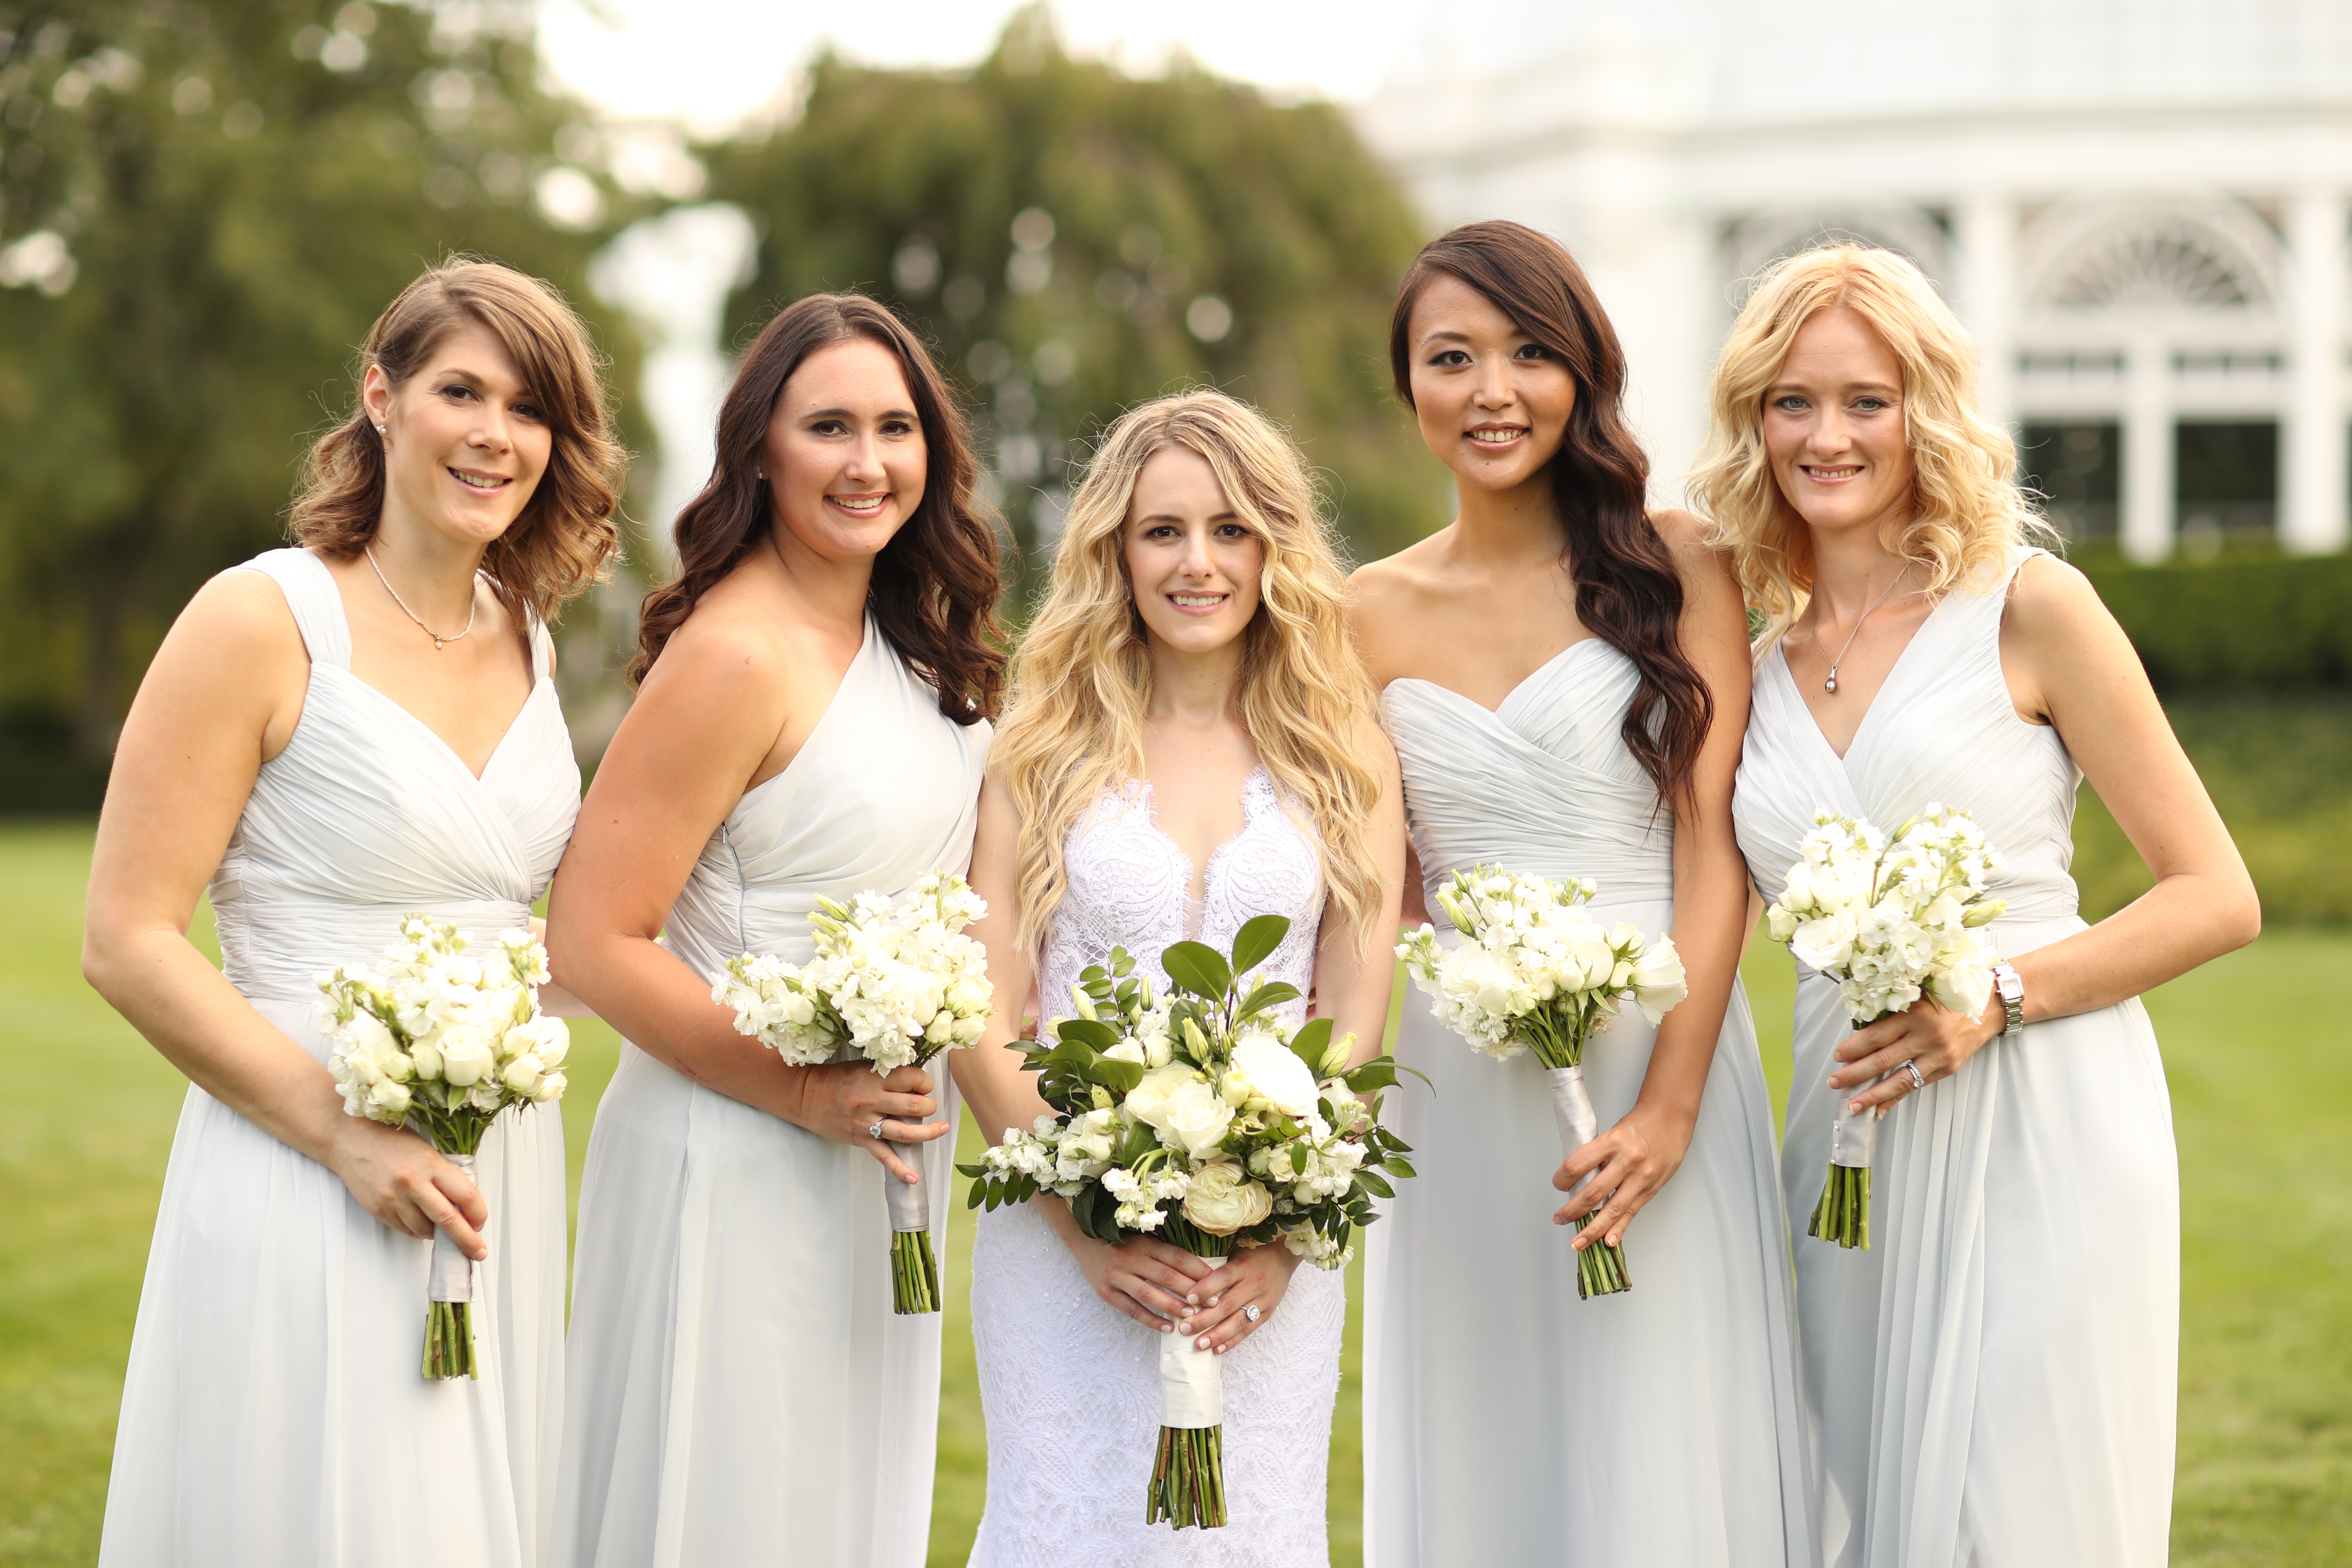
<point>202,208</point>
<point>1076,241</point>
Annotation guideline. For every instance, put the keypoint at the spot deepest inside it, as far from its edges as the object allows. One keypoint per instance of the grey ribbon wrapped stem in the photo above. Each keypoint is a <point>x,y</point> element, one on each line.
<point>1573,1114</point>
<point>453,1272</point>
<point>1854,1140</point>
<point>909,1205</point>
<point>1191,1384</point>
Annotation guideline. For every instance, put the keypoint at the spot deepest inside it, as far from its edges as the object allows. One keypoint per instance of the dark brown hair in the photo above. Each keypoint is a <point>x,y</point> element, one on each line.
<point>936,582</point>
<point>1627,589</point>
<point>565,533</point>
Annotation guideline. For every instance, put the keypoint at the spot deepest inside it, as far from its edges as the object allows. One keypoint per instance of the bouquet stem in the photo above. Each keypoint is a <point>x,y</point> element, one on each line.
<point>1844,1214</point>
<point>1601,1268</point>
<point>450,1312</point>
<point>1188,1477</point>
<point>914,1273</point>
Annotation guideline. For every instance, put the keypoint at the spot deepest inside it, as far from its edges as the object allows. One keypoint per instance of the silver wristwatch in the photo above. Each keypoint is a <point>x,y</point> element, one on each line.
<point>2012,996</point>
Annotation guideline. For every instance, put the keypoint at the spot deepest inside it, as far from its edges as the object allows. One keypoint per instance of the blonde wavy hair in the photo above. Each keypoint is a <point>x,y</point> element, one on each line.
<point>1082,677</point>
<point>1966,511</point>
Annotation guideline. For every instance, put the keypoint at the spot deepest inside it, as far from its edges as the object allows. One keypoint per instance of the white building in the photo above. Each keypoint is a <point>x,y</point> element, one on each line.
<point>2139,205</point>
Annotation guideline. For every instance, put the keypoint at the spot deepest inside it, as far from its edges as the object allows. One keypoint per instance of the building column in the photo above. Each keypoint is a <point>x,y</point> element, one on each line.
<point>2150,507</point>
<point>2313,477</point>
<point>1988,234</point>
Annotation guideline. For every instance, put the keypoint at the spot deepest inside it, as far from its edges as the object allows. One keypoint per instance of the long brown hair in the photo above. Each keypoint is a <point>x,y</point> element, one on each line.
<point>1627,589</point>
<point>935,584</point>
<point>565,534</point>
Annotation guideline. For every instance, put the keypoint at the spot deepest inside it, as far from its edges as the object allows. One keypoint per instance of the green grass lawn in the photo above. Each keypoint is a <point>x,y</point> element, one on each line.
<point>2261,1092</point>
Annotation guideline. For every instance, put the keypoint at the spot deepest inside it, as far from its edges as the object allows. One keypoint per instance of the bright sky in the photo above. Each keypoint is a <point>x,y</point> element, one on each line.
<point>711,62</point>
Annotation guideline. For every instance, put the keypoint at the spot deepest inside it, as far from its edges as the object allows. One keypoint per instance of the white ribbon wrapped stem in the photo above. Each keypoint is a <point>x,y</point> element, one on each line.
<point>453,1272</point>
<point>1573,1114</point>
<point>909,1205</point>
<point>1854,1140</point>
<point>1191,1384</point>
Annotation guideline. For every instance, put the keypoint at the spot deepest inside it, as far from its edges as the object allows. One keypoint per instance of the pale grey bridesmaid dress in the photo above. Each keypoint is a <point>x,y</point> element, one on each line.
<point>1505,1420</point>
<point>739,1389</point>
<point>274,1412</point>
<point>1994,1379</point>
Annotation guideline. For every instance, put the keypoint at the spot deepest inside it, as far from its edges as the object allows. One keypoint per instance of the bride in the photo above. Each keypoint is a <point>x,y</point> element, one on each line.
<point>1191,743</point>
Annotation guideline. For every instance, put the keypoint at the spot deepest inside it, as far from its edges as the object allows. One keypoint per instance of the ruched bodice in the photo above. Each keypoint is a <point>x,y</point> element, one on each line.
<point>1942,728</point>
<point>883,790</point>
<point>368,816</point>
<point>1544,783</point>
<point>275,1308</point>
<point>1131,886</point>
<point>1502,1413</point>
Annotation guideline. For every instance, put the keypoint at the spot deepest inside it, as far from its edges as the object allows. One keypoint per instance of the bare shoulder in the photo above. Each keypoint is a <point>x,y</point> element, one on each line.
<point>2052,604</point>
<point>243,612</point>
<point>1395,585</point>
<point>1685,531</point>
<point>728,651</point>
<point>1373,745</point>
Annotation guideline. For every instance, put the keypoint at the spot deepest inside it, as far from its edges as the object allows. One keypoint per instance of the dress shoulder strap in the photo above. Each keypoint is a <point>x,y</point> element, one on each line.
<point>317,605</point>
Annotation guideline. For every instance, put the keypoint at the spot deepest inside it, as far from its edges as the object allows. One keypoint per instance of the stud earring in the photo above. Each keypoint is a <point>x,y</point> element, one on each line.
<point>379,430</point>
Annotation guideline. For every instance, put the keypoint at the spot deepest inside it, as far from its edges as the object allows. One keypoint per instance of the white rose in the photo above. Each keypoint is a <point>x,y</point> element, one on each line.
<point>465,1055</point>
<point>1658,979</point>
<point>1127,1051</point>
<point>1148,1101</point>
<point>522,1074</point>
<point>1194,1118</point>
<point>1223,1200</point>
<point>546,1038</point>
<point>551,1087</point>
<point>1276,1072</point>
<point>1826,941</point>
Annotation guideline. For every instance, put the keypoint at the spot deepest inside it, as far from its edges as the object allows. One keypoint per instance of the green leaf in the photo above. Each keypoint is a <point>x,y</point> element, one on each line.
<point>1093,1033</point>
<point>1400,1167</point>
<point>1255,941</point>
<point>1372,1181</point>
<point>979,1193</point>
<point>1115,1075</point>
<point>1309,1044</point>
<point>1140,1140</point>
<point>1273,994</point>
<point>1298,1159</point>
<point>1198,968</point>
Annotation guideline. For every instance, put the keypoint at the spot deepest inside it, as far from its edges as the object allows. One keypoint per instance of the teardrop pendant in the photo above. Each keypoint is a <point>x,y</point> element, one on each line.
<point>1830,685</point>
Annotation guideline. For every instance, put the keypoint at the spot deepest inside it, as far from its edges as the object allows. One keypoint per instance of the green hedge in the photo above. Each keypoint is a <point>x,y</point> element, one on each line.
<point>2266,624</point>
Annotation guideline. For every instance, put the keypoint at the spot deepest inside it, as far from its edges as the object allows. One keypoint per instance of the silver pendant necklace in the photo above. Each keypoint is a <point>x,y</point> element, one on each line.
<point>1830,685</point>
<point>472,607</point>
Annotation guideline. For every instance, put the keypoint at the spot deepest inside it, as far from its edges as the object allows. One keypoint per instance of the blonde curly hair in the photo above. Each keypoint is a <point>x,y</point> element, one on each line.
<point>1967,509</point>
<point>1082,677</point>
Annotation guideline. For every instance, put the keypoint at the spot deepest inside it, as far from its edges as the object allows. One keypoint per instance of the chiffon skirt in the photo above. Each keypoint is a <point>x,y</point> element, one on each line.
<point>274,1413</point>
<point>739,1389</point>
<point>1507,1421</point>
<point>1995,1379</point>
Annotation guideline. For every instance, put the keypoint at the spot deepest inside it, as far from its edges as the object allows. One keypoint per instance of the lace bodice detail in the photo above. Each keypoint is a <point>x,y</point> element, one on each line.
<point>1130,885</point>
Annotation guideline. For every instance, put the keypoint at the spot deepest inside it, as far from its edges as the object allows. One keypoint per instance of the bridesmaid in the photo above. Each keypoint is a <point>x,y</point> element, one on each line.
<point>1566,677</point>
<point>813,722</point>
<point>337,736</point>
<point>1994,1379</point>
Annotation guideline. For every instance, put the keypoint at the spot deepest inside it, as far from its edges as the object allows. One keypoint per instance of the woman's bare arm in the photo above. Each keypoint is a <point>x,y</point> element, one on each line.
<point>223,695</point>
<point>1001,1094</point>
<point>708,718</point>
<point>1355,965</point>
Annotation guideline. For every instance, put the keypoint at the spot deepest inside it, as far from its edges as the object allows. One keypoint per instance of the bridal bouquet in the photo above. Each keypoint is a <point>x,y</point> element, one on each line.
<point>1889,918</point>
<point>440,1040</point>
<point>1535,971</point>
<point>895,981</point>
<point>1201,1117</point>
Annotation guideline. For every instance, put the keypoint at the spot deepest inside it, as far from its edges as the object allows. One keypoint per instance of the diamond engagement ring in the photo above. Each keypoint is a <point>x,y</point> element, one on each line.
<point>1253,1313</point>
<point>875,1132</point>
<point>1917,1083</point>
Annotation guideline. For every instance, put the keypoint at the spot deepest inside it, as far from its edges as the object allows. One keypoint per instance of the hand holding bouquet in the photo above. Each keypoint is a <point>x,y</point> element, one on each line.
<point>1890,920</point>
<point>895,981</point>
<point>1200,1117</point>
<point>440,1040</point>
<point>1535,972</point>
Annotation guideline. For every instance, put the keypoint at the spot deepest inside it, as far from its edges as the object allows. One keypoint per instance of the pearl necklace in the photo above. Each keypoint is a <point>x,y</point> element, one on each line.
<point>1830,685</point>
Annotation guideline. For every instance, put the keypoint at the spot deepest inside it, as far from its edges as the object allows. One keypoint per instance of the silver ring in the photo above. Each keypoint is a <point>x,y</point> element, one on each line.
<point>1253,1313</point>
<point>1917,1083</point>
<point>875,1132</point>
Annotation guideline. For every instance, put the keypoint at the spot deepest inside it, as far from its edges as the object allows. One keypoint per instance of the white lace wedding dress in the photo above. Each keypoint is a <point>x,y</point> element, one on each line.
<point>1071,1388</point>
